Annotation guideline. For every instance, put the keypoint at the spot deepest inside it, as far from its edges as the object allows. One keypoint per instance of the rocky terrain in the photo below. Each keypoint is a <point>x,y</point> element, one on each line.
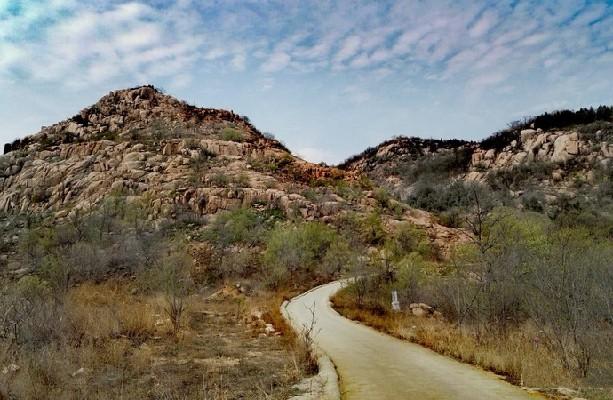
<point>174,159</point>
<point>554,161</point>
<point>150,146</point>
<point>177,160</point>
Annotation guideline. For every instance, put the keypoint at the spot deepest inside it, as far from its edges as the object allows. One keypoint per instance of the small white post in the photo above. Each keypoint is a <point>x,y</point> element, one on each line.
<point>395,302</point>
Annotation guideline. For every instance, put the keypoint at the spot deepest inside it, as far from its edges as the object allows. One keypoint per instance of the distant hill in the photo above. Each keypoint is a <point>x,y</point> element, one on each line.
<point>546,163</point>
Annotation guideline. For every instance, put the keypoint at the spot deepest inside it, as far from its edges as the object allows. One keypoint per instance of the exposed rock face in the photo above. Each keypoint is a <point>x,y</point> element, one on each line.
<point>157,150</point>
<point>570,156</point>
<point>125,113</point>
<point>172,158</point>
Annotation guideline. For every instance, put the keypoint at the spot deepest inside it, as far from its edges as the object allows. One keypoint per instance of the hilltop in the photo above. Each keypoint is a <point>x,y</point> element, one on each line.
<point>538,164</point>
<point>141,143</point>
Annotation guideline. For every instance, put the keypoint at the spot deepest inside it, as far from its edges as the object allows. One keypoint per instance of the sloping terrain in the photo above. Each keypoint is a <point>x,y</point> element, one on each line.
<point>177,161</point>
<point>147,145</point>
<point>531,166</point>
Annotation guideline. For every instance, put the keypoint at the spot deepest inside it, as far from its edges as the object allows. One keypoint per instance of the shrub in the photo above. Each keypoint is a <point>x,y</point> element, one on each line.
<point>244,225</point>
<point>440,165</point>
<point>533,201</point>
<point>405,239</point>
<point>517,176</point>
<point>219,180</point>
<point>597,131</point>
<point>370,229</point>
<point>300,248</point>
<point>232,134</point>
<point>441,197</point>
<point>241,180</point>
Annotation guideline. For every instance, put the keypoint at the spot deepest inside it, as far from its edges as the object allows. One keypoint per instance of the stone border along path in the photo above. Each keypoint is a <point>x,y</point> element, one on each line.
<point>372,365</point>
<point>324,385</point>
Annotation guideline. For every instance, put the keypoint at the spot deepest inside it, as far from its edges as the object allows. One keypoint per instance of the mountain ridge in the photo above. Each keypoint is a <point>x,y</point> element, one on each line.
<point>154,148</point>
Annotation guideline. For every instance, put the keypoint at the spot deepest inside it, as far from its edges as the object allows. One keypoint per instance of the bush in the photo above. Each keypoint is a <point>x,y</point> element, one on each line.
<point>244,225</point>
<point>518,176</point>
<point>231,134</point>
<point>436,166</point>
<point>443,196</point>
<point>301,249</point>
<point>241,180</point>
<point>597,131</point>
<point>406,239</point>
<point>219,180</point>
<point>533,201</point>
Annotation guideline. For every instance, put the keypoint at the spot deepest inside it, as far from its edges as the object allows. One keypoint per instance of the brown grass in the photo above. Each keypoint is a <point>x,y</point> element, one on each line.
<point>121,346</point>
<point>302,357</point>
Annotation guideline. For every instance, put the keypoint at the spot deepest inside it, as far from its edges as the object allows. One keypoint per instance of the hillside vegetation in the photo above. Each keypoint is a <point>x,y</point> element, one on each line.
<point>147,246</point>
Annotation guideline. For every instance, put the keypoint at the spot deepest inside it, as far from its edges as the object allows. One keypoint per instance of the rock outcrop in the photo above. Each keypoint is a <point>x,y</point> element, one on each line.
<point>566,154</point>
<point>172,158</point>
<point>152,148</point>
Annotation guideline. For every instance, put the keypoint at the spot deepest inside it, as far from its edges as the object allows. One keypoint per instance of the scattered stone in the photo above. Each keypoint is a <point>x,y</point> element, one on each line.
<point>10,369</point>
<point>269,330</point>
<point>80,371</point>
<point>421,309</point>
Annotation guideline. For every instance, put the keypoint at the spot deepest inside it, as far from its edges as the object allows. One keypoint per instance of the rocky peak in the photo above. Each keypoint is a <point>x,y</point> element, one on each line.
<point>143,113</point>
<point>151,148</point>
<point>401,149</point>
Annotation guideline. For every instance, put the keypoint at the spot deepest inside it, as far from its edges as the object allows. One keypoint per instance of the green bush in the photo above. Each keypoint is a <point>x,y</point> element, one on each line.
<point>406,239</point>
<point>300,248</point>
<point>533,201</point>
<point>232,134</point>
<point>435,166</point>
<point>441,197</point>
<point>244,225</point>
<point>518,176</point>
<point>597,131</point>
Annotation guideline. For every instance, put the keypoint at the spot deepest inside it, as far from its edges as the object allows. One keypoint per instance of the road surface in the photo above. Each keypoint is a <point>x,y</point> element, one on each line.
<point>372,365</point>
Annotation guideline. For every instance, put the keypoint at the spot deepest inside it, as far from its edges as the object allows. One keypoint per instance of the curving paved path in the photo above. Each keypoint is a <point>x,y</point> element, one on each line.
<point>372,365</point>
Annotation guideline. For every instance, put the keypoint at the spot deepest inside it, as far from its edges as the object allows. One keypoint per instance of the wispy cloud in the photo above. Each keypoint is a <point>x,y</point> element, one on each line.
<point>53,39</point>
<point>470,48</point>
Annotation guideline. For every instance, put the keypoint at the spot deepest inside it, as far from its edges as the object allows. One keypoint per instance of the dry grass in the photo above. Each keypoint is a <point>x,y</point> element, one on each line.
<point>121,345</point>
<point>303,360</point>
<point>518,355</point>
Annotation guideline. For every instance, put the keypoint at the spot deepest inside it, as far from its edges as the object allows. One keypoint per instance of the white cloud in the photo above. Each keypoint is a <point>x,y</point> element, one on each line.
<point>485,22</point>
<point>92,44</point>
<point>238,61</point>
<point>350,47</point>
<point>276,62</point>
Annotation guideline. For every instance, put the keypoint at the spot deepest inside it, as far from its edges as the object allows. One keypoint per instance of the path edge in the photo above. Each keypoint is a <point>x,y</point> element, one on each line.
<point>327,374</point>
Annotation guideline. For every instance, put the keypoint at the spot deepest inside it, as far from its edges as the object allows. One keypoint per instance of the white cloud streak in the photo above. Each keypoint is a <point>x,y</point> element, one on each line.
<point>92,41</point>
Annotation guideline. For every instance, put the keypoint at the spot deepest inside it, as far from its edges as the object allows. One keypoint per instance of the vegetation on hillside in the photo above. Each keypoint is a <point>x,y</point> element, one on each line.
<point>110,305</point>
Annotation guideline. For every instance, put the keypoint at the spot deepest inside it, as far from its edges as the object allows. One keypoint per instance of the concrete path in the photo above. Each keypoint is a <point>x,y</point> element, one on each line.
<point>372,365</point>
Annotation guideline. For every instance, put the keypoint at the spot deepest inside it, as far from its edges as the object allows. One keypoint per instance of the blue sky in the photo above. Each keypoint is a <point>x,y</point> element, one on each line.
<point>329,78</point>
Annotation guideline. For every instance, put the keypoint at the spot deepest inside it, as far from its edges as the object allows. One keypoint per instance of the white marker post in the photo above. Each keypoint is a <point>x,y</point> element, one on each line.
<point>395,302</point>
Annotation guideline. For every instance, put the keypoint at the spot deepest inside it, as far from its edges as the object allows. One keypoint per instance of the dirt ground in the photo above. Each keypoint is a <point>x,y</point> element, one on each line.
<point>220,352</point>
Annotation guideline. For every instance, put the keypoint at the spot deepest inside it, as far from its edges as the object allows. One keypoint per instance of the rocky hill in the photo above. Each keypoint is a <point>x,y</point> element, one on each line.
<point>174,159</point>
<point>553,162</point>
<point>149,146</point>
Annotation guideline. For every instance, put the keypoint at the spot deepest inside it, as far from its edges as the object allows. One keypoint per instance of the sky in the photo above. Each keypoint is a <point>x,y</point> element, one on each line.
<point>328,78</point>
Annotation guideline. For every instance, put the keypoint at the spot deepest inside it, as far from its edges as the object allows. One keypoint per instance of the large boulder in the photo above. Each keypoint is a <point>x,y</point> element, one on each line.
<point>564,147</point>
